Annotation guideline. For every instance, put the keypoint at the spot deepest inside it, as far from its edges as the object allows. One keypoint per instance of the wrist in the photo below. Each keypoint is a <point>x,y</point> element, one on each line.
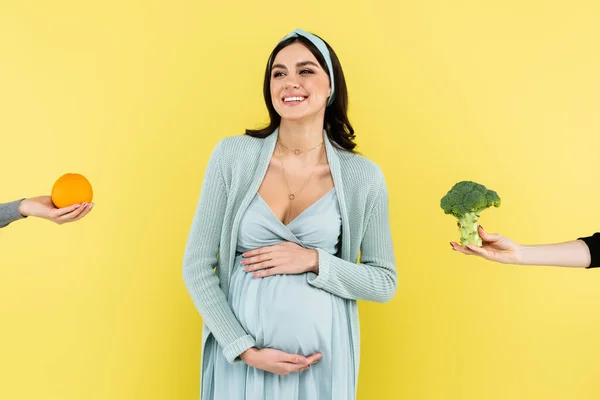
<point>24,207</point>
<point>520,254</point>
<point>248,355</point>
<point>314,264</point>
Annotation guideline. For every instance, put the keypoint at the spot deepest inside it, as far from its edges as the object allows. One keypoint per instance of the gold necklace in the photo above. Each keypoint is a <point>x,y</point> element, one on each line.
<point>292,195</point>
<point>298,151</point>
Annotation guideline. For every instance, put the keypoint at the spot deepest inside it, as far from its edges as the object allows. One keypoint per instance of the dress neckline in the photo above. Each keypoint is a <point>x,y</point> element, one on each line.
<point>299,215</point>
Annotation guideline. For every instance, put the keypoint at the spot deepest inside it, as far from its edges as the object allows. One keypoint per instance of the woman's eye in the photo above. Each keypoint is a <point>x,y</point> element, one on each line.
<point>277,74</point>
<point>306,71</point>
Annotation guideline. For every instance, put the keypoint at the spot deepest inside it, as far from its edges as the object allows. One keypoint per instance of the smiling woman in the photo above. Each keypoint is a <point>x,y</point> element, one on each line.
<point>302,63</point>
<point>288,277</point>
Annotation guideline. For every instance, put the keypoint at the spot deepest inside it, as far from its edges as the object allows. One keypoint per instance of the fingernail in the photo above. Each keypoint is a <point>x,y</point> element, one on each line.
<point>302,359</point>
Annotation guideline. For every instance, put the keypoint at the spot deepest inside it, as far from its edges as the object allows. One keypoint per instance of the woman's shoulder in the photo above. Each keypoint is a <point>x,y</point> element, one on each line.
<point>242,141</point>
<point>360,169</point>
<point>238,147</point>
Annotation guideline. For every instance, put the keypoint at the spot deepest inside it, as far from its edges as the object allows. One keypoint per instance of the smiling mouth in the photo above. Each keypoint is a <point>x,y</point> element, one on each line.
<point>293,100</point>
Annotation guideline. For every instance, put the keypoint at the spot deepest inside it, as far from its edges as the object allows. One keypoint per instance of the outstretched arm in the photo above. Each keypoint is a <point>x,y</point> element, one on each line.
<point>582,253</point>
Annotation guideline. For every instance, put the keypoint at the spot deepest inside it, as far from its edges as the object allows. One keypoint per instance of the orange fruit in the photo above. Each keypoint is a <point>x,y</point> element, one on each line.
<point>71,189</point>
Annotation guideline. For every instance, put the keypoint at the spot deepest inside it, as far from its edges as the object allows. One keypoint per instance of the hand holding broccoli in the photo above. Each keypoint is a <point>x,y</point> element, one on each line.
<point>466,200</point>
<point>495,247</point>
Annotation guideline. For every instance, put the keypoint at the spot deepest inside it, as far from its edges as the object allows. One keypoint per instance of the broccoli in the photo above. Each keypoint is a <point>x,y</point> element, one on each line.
<point>466,200</point>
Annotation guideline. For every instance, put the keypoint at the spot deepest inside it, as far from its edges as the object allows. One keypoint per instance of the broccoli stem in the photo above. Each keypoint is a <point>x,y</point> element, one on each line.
<point>469,229</point>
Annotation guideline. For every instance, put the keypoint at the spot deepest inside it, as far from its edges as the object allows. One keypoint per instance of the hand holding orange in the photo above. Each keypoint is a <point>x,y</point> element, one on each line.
<point>71,189</point>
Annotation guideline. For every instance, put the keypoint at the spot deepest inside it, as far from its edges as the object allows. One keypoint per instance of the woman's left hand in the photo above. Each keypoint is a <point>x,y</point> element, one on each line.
<point>283,258</point>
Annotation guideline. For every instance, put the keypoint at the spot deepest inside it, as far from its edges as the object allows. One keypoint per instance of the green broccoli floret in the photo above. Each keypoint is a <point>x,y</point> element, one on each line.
<point>466,200</point>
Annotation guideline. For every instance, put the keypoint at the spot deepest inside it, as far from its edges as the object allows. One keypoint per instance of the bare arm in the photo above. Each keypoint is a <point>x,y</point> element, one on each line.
<point>573,254</point>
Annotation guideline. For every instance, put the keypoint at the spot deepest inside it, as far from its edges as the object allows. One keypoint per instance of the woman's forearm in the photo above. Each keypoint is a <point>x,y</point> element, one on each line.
<point>574,254</point>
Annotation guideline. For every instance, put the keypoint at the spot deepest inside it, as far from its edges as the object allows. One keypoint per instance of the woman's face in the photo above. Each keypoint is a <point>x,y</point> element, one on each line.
<point>299,86</point>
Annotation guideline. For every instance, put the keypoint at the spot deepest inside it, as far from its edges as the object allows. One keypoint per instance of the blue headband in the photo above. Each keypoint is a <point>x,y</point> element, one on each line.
<point>322,47</point>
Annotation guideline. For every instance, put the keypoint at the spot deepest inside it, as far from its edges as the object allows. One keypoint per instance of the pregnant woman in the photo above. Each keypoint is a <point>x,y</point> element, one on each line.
<point>271,261</point>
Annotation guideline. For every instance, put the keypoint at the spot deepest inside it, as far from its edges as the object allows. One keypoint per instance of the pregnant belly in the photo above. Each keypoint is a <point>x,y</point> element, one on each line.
<point>282,311</point>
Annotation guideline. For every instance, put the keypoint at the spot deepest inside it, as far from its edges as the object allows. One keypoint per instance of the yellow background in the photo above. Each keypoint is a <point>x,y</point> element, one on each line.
<point>135,94</point>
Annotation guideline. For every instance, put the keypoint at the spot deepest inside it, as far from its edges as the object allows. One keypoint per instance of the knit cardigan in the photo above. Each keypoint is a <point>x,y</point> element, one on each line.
<point>233,176</point>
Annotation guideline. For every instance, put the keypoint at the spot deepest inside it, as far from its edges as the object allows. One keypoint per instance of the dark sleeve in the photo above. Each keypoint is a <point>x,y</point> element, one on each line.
<point>593,242</point>
<point>9,212</point>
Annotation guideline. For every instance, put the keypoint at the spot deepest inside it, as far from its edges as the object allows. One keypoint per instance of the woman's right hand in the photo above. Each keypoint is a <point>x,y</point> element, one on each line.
<point>278,362</point>
<point>494,248</point>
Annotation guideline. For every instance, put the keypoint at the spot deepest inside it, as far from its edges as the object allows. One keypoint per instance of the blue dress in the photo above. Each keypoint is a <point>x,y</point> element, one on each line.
<point>285,312</point>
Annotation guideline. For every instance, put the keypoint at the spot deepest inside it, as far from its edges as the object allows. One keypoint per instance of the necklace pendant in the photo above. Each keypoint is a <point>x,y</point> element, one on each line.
<point>296,152</point>
<point>292,197</point>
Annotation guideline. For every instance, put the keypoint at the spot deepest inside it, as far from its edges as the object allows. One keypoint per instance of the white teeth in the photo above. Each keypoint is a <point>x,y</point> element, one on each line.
<point>290,99</point>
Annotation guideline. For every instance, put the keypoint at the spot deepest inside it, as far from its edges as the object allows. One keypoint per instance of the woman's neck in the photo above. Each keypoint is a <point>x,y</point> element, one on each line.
<point>301,135</point>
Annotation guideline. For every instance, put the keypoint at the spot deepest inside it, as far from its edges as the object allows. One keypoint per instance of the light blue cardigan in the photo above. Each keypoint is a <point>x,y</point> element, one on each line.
<point>234,173</point>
